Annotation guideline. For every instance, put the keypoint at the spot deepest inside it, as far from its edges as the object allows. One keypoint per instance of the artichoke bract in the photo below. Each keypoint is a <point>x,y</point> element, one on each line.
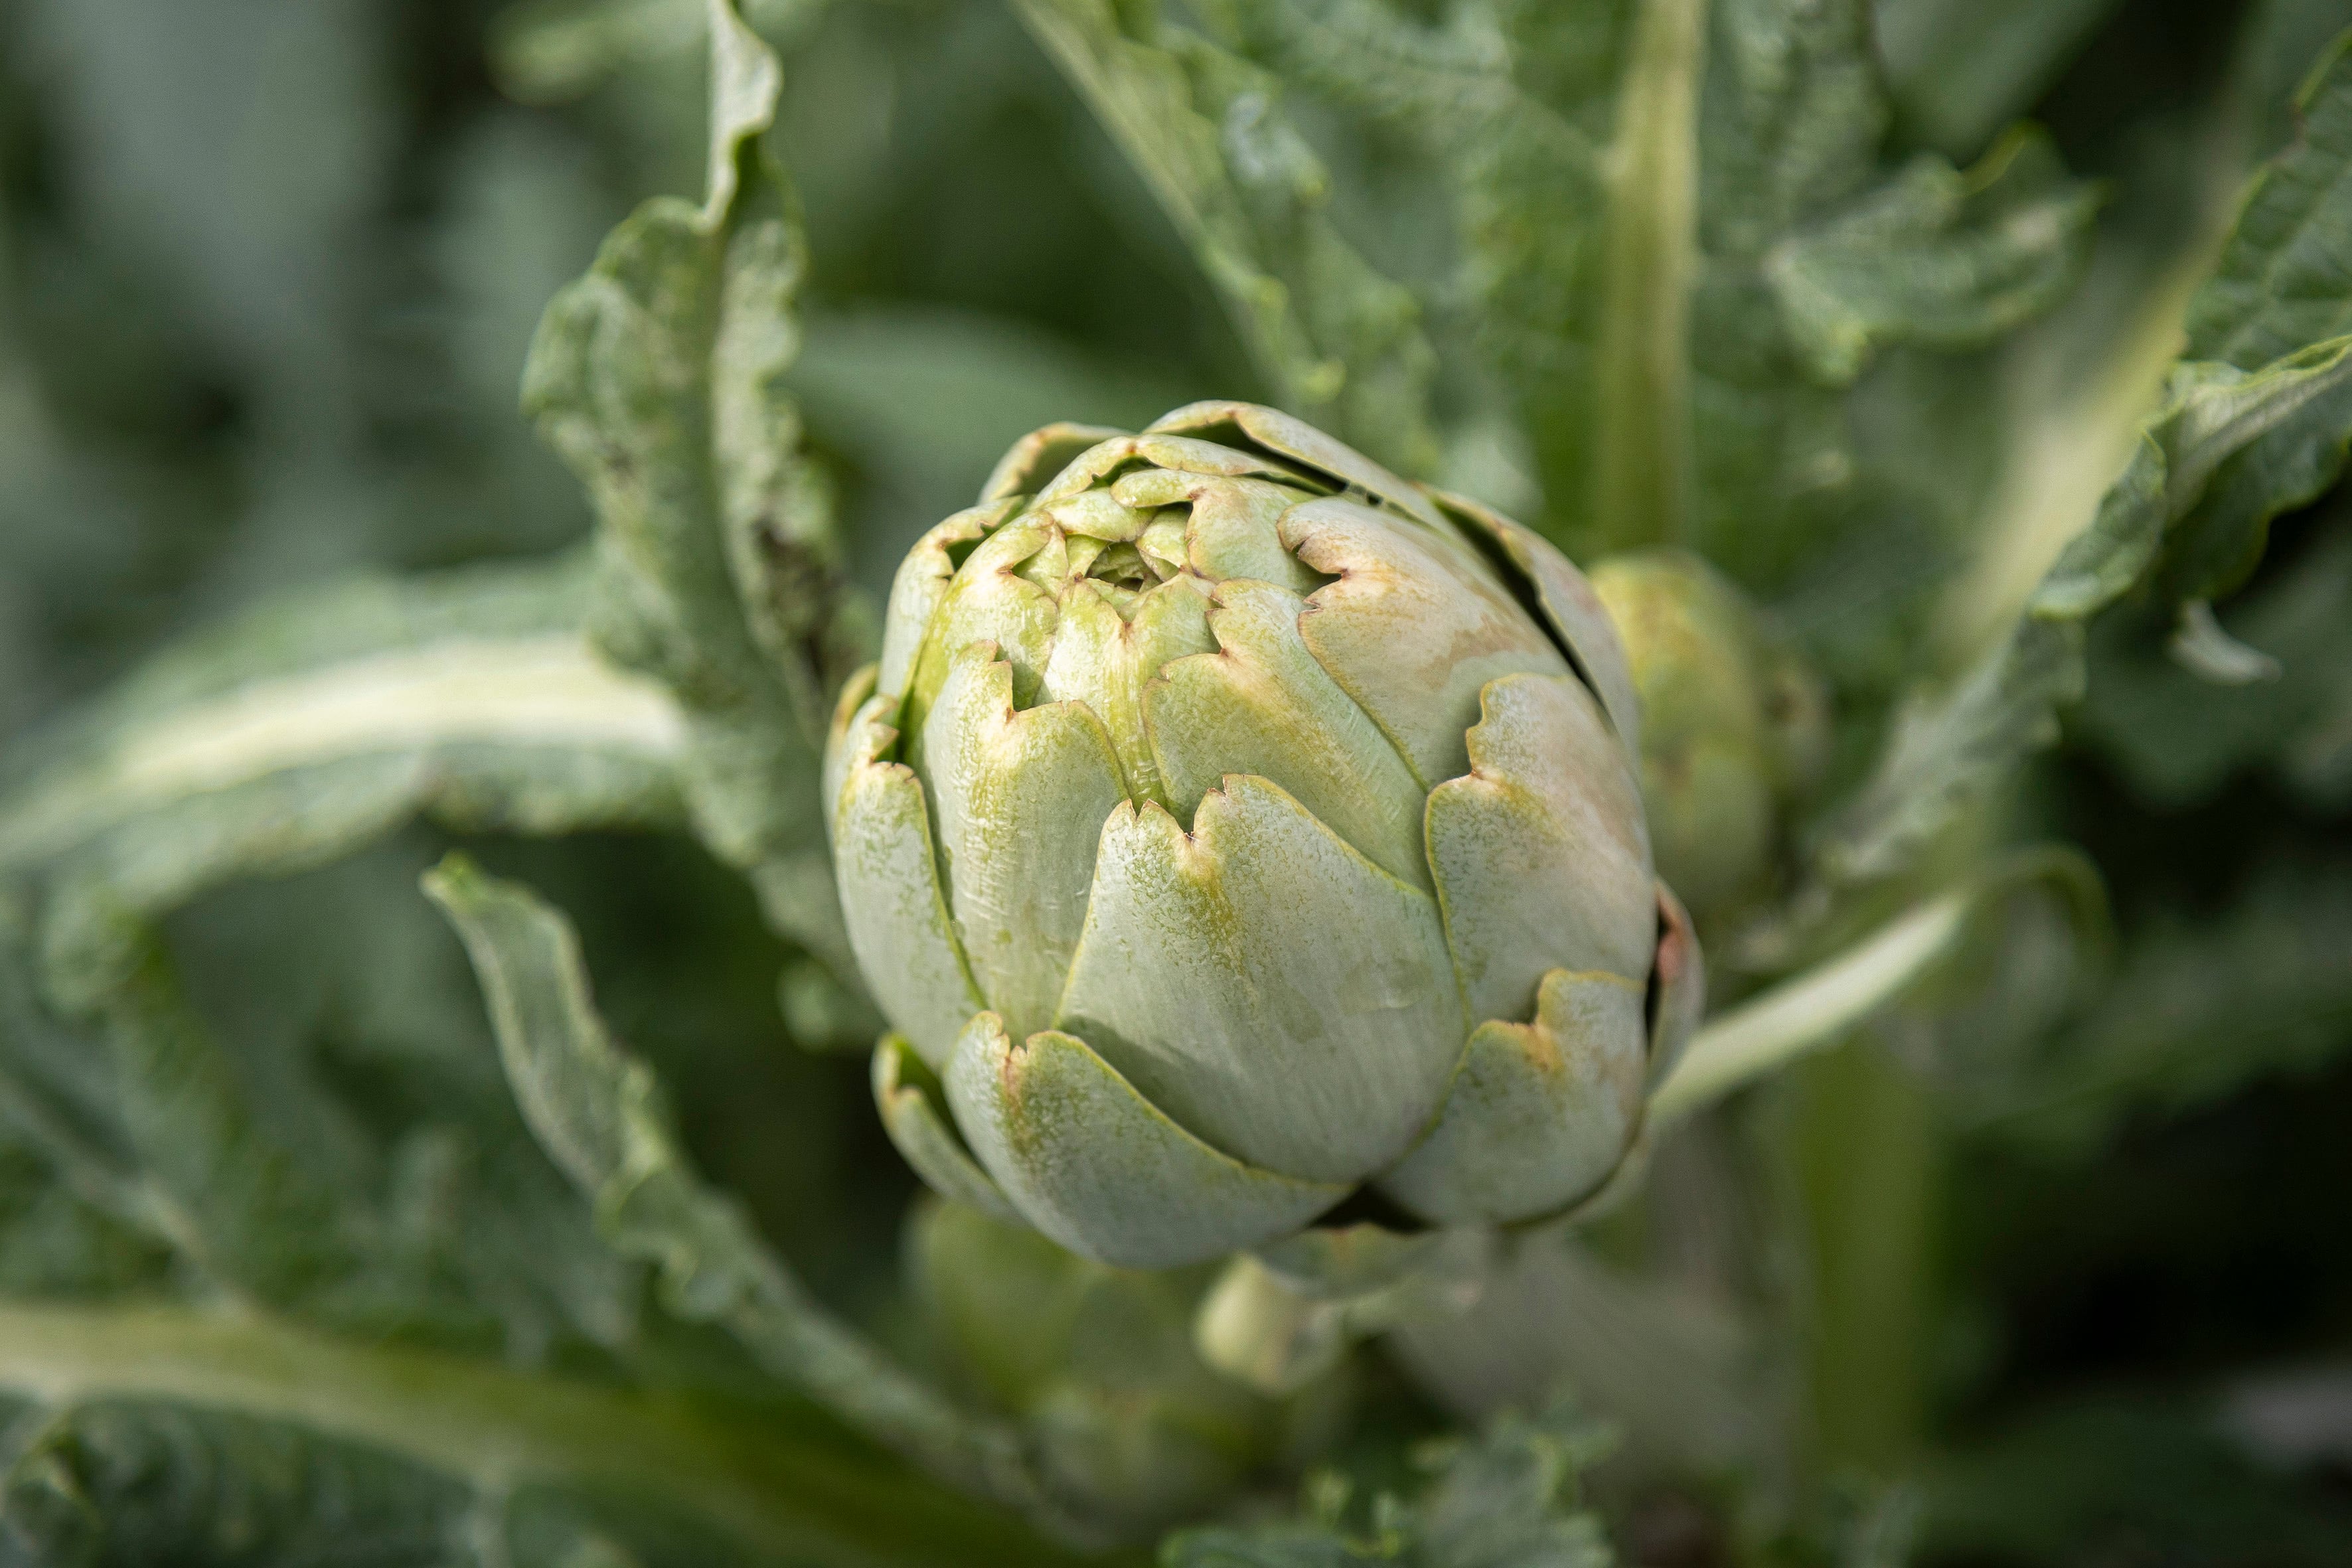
<point>1231,825</point>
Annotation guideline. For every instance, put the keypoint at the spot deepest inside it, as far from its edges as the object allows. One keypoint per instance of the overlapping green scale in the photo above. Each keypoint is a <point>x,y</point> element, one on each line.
<point>1262,705</point>
<point>1540,854</point>
<point>1233,823</point>
<point>1272,988</point>
<point>1250,427</point>
<point>908,1095</point>
<point>1539,1113</point>
<point>1019,794</point>
<point>1409,629</point>
<point>1570,609</point>
<point>891,898</point>
<point>920,586</point>
<point>1105,659</point>
<point>1102,1169</point>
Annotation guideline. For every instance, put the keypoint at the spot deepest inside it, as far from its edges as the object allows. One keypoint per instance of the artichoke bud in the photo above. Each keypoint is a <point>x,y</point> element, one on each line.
<point>1230,828</point>
<point>1735,725</point>
<point>1097,1363</point>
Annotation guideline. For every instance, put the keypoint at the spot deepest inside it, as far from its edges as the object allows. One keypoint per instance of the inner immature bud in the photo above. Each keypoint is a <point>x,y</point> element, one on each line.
<point>1123,566</point>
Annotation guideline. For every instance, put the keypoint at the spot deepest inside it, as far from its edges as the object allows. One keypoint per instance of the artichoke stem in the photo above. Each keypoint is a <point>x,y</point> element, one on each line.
<point>1865,1154</point>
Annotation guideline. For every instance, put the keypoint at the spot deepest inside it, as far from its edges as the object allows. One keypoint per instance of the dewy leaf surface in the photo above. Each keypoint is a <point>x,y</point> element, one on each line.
<point>659,378</point>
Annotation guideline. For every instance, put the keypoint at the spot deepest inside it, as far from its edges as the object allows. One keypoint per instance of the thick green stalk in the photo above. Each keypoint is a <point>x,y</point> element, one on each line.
<point>1642,461</point>
<point>1865,1148</point>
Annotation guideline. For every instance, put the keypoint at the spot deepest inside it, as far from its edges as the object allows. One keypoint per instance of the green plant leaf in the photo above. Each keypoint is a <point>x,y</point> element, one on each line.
<point>1793,124</point>
<point>1337,343</point>
<point>1674,245</point>
<point>212,1168</point>
<point>602,1117</point>
<point>297,735</point>
<point>2258,427</point>
<point>2201,1004</point>
<point>2179,739</point>
<point>314,725</point>
<point>2282,285</point>
<point>1935,257</point>
<point>1569,287</point>
<point>1942,755</point>
<point>140,1434</point>
<point>659,379</point>
<point>1960,69</point>
<point>1507,1494</point>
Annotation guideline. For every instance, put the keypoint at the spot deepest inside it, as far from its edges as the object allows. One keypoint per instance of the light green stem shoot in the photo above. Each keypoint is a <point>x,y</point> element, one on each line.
<point>1640,465</point>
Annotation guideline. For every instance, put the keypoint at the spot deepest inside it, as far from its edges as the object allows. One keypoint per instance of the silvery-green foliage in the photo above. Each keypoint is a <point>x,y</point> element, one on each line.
<point>301,735</point>
<point>2254,422</point>
<point>1508,1494</point>
<point>658,376</point>
<point>1672,243</point>
<point>318,723</point>
<point>602,1117</point>
<point>1959,70</point>
<point>140,1434</point>
<point>254,1309</point>
<point>1343,345</point>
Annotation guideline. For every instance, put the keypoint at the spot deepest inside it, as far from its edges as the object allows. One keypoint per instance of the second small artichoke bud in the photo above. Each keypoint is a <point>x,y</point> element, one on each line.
<point>1735,726</point>
<point>1099,1364</point>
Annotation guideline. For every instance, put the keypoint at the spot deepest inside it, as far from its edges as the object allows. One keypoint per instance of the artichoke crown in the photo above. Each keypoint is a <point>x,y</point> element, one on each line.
<point>1230,823</point>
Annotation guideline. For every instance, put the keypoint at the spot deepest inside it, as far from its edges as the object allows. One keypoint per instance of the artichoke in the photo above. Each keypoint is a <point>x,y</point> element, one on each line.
<point>1231,827</point>
<point>1097,1364</point>
<point>1735,726</point>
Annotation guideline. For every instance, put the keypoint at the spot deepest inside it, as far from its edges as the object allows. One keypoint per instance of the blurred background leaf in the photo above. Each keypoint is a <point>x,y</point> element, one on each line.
<point>268,276</point>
